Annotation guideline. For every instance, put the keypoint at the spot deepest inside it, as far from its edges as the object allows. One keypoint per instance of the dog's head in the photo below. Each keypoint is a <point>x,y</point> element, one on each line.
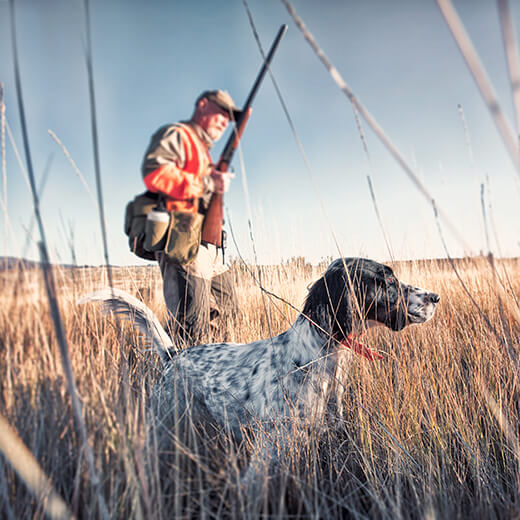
<point>369,290</point>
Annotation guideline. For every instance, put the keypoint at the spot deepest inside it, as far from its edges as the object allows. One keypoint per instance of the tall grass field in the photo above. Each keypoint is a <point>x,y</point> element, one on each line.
<point>431,431</point>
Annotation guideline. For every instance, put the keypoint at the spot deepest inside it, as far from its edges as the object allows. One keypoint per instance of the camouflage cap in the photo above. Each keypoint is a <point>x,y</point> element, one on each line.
<point>223,100</point>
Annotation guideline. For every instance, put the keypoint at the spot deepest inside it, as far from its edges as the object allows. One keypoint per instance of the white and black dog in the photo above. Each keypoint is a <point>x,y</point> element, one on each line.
<point>237,385</point>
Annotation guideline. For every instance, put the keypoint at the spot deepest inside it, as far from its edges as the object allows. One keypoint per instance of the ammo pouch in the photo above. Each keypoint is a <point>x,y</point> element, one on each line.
<point>135,223</point>
<point>184,236</point>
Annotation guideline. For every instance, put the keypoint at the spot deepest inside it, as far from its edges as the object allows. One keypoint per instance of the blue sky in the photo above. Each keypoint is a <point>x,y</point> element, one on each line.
<point>152,59</point>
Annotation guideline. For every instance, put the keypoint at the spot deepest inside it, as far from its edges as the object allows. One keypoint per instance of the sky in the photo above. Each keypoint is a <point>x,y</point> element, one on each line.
<point>152,59</point>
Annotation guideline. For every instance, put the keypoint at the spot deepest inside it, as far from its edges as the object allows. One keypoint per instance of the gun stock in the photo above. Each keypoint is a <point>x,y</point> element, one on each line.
<point>214,219</point>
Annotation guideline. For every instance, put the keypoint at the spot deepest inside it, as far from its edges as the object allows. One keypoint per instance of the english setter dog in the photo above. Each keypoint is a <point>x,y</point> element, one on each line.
<point>264,382</point>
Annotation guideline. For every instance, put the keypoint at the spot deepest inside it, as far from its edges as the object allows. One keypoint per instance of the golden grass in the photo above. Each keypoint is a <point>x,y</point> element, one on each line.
<point>431,431</point>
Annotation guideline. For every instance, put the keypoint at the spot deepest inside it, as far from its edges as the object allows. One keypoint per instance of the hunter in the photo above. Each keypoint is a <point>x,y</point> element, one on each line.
<point>177,165</point>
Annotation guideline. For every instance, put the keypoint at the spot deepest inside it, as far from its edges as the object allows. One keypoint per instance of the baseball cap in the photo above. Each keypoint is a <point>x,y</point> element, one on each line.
<point>223,100</point>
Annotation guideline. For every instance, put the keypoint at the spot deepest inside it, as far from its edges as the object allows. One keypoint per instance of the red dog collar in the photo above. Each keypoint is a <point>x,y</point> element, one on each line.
<point>360,349</point>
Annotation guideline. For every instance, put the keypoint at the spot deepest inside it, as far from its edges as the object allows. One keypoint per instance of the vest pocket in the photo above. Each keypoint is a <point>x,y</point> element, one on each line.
<point>184,236</point>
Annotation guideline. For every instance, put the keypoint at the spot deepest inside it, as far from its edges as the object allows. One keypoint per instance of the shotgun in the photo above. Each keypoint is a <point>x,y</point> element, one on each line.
<point>214,219</point>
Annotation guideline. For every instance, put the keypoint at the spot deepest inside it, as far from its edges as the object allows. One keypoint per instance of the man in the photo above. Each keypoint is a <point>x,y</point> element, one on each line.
<point>177,165</point>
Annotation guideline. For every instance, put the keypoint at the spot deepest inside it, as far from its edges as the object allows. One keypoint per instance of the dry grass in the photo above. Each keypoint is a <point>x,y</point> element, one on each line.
<point>431,431</point>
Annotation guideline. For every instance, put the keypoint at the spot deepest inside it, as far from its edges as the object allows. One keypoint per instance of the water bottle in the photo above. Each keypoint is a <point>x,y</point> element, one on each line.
<point>157,223</point>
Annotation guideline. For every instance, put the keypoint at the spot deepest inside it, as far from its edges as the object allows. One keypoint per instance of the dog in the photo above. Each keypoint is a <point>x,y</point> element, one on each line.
<point>267,381</point>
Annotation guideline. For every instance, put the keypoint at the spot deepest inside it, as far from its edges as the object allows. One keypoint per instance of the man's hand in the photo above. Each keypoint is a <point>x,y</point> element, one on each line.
<point>221,180</point>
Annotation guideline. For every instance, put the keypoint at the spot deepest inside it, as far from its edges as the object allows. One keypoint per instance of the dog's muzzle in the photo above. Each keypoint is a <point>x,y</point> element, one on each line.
<point>421,305</point>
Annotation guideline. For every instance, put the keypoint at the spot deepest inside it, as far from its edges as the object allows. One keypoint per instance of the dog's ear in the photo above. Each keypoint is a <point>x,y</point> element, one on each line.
<point>328,303</point>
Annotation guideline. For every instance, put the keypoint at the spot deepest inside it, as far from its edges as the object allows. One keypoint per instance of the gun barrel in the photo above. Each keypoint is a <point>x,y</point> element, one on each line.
<point>227,153</point>
<point>214,219</point>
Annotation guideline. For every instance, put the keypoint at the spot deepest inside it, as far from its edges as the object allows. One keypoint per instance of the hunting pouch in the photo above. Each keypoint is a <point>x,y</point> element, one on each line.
<point>135,223</point>
<point>184,236</point>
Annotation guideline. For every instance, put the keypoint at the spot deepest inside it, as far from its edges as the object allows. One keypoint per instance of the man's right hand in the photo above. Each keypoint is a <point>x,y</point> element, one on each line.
<point>221,180</point>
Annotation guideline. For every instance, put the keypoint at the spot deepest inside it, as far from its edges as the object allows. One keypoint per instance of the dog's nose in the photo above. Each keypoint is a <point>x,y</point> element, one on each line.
<point>434,298</point>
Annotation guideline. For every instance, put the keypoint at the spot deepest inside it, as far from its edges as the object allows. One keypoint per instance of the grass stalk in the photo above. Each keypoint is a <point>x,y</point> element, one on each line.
<point>23,461</point>
<point>49,278</point>
<point>513,61</point>
<point>481,78</point>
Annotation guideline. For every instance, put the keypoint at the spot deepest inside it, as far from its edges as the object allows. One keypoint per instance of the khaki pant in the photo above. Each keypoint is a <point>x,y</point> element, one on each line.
<point>196,295</point>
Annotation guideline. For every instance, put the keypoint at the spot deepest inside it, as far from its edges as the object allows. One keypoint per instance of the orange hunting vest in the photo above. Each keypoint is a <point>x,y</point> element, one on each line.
<point>182,184</point>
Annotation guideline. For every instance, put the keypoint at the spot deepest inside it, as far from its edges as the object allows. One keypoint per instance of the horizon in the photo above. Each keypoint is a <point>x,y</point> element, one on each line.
<point>235,259</point>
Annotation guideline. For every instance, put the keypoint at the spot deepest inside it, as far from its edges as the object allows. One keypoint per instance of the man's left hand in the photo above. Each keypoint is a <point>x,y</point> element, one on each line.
<point>221,180</point>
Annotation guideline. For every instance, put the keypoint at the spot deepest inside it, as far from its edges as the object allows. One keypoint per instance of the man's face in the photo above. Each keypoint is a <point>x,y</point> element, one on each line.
<point>212,118</point>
